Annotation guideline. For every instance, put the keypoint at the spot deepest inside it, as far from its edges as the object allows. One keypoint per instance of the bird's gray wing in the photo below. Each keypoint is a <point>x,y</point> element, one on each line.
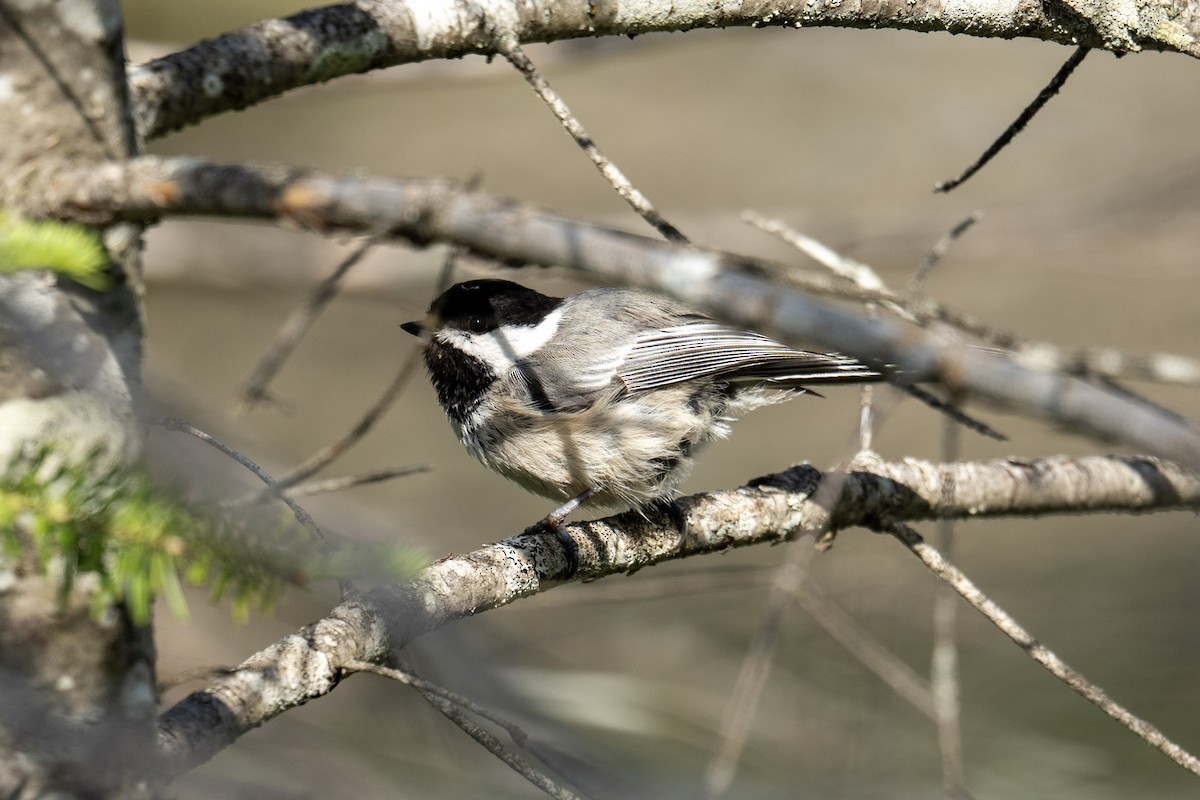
<point>704,348</point>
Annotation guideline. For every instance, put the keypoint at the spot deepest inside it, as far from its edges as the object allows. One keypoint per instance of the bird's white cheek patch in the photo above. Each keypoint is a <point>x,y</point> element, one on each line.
<point>502,349</point>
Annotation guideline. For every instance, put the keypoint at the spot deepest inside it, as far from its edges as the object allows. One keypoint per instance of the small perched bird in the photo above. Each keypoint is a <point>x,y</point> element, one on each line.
<point>604,396</point>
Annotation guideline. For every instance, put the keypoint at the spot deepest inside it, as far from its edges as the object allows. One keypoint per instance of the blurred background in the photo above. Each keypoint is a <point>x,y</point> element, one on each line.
<point>1089,237</point>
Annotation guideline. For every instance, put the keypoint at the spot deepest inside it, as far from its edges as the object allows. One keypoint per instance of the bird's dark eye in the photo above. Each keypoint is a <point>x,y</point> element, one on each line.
<point>477,325</point>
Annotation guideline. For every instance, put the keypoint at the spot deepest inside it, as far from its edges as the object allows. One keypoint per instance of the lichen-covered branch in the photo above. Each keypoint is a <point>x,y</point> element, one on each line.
<point>290,672</point>
<point>268,58</point>
<point>728,286</point>
<point>875,493</point>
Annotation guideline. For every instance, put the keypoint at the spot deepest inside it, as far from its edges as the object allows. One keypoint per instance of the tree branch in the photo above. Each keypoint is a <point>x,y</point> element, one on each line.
<point>455,706</point>
<point>728,286</point>
<point>273,56</point>
<point>610,171</point>
<point>862,283</point>
<point>310,663</point>
<point>1092,692</point>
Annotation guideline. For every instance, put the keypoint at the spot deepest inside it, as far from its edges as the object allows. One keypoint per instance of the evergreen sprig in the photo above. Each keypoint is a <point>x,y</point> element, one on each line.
<point>142,543</point>
<point>65,248</point>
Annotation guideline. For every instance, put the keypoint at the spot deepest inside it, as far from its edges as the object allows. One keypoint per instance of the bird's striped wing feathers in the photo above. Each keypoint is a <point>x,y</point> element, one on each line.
<point>710,349</point>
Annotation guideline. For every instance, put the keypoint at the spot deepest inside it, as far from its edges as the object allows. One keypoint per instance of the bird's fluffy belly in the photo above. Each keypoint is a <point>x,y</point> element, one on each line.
<point>633,451</point>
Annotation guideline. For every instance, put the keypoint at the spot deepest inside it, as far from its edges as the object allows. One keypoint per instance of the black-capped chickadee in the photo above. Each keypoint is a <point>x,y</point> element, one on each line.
<point>604,396</point>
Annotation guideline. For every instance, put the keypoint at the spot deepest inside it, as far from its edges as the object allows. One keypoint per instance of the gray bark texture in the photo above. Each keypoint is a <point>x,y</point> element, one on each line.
<point>268,58</point>
<point>871,493</point>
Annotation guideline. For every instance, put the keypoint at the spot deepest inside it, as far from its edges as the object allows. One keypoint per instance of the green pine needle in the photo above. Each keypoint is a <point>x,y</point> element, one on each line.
<point>67,249</point>
<point>144,543</point>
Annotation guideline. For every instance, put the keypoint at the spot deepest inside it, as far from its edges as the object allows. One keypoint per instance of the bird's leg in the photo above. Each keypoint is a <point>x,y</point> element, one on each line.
<point>552,524</point>
<point>556,516</point>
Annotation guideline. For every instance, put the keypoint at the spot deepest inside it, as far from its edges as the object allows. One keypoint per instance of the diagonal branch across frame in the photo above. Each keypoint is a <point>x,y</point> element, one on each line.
<point>875,493</point>
<point>730,287</point>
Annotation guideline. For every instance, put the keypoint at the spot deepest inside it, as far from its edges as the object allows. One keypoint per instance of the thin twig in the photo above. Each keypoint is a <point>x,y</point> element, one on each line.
<point>861,275</point>
<point>453,254</point>
<point>864,284</point>
<point>866,418</point>
<point>623,186</point>
<point>756,664</point>
<point>925,311</point>
<point>858,273</point>
<point>323,457</point>
<point>869,287</point>
<point>934,560</point>
<point>922,310</point>
<point>866,408</point>
<point>943,672</point>
<point>254,390</point>
<point>1018,125</point>
<point>868,280</point>
<point>940,248</point>
<point>450,703</point>
<point>410,678</point>
<point>900,677</point>
<point>350,481</point>
<point>182,426</point>
<point>756,667</point>
<point>496,748</point>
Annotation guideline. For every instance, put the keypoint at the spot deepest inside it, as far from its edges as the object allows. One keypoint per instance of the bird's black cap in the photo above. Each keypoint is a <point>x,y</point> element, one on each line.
<point>485,305</point>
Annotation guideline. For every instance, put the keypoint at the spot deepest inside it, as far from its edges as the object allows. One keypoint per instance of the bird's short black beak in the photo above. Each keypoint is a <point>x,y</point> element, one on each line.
<point>415,328</point>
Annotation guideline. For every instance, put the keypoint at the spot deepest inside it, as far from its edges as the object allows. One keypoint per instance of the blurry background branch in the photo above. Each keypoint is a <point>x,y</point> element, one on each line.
<point>925,310</point>
<point>454,706</point>
<point>874,493</point>
<point>320,44</point>
<point>955,578</point>
<point>728,286</point>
